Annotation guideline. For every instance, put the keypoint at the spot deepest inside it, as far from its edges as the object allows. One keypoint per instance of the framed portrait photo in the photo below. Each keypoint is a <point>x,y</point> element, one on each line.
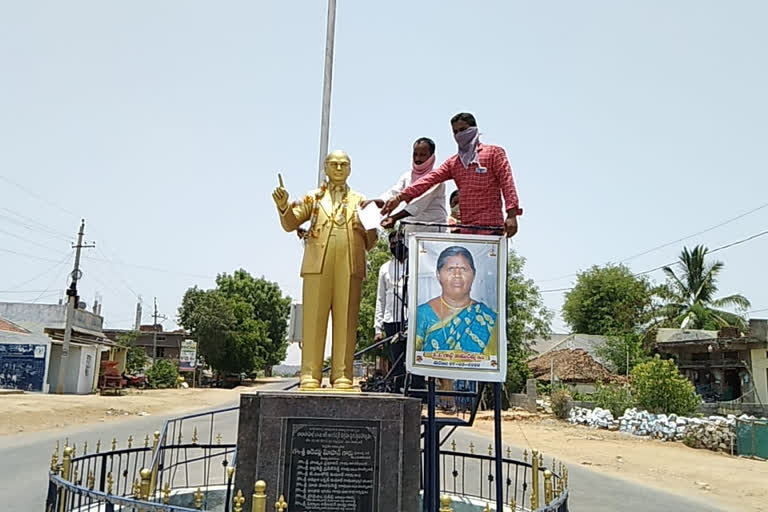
<point>457,306</point>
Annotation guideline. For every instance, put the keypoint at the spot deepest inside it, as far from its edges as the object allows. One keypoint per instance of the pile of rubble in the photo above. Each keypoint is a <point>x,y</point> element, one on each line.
<point>595,418</point>
<point>659,426</point>
<point>714,433</point>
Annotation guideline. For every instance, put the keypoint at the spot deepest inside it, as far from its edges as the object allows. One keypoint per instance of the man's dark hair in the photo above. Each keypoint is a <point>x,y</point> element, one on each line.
<point>466,117</point>
<point>455,250</point>
<point>429,142</point>
<point>454,194</point>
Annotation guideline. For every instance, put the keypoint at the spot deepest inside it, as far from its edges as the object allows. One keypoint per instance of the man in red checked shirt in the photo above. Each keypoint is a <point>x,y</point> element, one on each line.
<point>482,174</point>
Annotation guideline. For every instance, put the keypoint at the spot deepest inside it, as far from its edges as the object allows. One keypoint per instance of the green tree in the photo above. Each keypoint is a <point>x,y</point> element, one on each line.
<point>163,374</point>
<point>616,399</point>
<point>658,387</point>
<point>691,295</point>
<point>527,318</point>
<point>623,352</point>
<point>609,300</point>
<point>136,358</point>
<point>229,337</point>
<point>375,258</point>
<point>269,306</point>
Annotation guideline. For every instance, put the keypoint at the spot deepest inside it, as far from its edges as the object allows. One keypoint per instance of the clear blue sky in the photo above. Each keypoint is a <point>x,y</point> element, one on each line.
<point>628,124</point>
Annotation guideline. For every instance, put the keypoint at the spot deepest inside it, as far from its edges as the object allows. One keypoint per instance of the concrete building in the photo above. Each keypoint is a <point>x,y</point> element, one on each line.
<point>723,365</point>
<point>168,342</point>
<point>31,338</point>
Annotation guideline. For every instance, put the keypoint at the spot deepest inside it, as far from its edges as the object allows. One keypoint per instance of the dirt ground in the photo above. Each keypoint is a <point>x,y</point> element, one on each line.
<point>733,483</point>
<point>34,412</point>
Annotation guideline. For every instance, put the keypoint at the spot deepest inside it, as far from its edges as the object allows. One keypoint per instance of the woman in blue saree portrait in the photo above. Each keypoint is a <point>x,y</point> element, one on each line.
<point>454,321</point>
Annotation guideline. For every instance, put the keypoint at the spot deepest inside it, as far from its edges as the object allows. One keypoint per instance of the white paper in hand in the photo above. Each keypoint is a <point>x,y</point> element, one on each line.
<point>370,216</point>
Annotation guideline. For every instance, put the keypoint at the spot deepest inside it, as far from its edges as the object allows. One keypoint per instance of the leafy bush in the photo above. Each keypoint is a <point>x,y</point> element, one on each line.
<point>135,360</point>
<point>658,387</point>
<point>560,400</point>
<point>578,396</point>
<point>616,399</point>
<point>163,374</point>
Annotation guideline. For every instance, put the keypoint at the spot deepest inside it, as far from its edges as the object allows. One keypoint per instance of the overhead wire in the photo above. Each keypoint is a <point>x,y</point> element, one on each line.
<point>52,283</point>
<point>67,256</point>
<point>33,225</point>
<point>27,255</point>
<point>711,228</point>
<point>120,275</point>
<point>97,276</point>
<point>654,269</point>
<point>37,244</point>
<point>37,196</point>
<point>673,242</point>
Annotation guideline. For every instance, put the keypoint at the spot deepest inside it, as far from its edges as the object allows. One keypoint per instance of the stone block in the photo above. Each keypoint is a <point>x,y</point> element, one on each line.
<point>336,452</point>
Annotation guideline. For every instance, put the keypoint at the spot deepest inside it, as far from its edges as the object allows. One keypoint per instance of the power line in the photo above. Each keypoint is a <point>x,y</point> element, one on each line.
<point>66,257</point>
<point>54,280</point>
<point>673,242</point>
<point>153,269</point>
<point>119,274</point>
<point>28,255</point>
<point>758,310</point>
<point>34,225</point>
<point>14,235</point>
<point>654,269</point>
<point>722,247</point>
<point>36,196</point>
<point>52,231</point>
<point>49,294</point>
<point>22,291</point>
<point>95,275</point>
<point>662,246</point>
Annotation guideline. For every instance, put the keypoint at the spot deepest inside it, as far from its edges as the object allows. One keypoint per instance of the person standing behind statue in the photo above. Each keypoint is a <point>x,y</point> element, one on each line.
<point>482,174</point>
<point>430,207</point>
<point>389,316</point>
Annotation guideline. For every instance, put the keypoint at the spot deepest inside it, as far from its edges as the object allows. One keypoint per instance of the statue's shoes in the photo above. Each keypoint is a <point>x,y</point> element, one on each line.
<point>342,383</point>
<point>308,383</point>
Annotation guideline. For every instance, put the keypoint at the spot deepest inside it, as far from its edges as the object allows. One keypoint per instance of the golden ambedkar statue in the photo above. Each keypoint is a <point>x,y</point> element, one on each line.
<point>333,270</point>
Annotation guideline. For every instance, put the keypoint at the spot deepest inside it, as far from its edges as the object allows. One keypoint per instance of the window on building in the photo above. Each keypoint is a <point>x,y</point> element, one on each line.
<point>161,338</point>
<point>700,356</point>
<point>160,351</point>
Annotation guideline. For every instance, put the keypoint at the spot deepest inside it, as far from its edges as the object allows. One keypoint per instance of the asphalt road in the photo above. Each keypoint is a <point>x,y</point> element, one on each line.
<point>591,491</point>
<point>26,458</point>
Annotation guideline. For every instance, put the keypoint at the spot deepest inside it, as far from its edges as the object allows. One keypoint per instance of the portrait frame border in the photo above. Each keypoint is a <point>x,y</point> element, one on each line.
<point>500,243</point>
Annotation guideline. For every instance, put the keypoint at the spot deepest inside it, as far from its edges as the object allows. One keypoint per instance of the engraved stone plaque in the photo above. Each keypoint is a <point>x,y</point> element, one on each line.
<point>331,452</point>
<point>331,465</point>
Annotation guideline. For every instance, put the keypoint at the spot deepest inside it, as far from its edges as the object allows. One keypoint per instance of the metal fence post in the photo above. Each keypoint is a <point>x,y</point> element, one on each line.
<point>259,498</point>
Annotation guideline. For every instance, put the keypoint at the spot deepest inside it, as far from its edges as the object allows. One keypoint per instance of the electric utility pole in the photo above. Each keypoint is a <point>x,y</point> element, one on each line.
<point>154,332</point>
<point>72,300</point>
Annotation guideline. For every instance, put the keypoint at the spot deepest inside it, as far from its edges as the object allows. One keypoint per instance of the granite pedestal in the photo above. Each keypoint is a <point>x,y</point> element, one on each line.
<point>330,452</point>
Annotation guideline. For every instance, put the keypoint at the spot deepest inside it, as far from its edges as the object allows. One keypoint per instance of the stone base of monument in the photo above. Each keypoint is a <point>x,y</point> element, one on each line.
<point>331,452</point>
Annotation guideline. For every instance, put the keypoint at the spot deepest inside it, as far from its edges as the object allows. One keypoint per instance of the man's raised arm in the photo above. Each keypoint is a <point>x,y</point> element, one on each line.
<point>443,173</point>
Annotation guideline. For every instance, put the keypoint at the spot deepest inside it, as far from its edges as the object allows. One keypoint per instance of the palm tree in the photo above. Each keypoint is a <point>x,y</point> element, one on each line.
<point>691,294</point>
